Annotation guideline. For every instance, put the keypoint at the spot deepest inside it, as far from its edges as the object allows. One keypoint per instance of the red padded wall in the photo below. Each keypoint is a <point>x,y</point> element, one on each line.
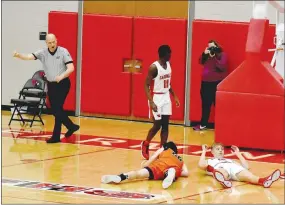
<point>107,41</point>
<point>232,37</point>
<point>66,34</point>
<point>149,34</point>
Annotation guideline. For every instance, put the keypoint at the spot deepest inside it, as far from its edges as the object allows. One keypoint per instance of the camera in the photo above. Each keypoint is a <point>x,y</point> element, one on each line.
<point>213,50</point>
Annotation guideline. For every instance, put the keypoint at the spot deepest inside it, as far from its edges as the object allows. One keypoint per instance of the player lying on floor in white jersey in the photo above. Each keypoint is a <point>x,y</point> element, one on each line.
<point>226,170</point>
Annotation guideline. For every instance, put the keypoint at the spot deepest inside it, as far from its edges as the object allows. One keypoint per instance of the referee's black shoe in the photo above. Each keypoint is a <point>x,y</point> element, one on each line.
<point>53,140</point>
<point>72,130</point>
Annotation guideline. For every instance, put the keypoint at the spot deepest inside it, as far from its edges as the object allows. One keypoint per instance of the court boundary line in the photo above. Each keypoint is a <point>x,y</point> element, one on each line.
<point>61,157</point>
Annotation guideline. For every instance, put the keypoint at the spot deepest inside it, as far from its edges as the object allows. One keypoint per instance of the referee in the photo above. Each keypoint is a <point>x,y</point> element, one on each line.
<point>58,65</point>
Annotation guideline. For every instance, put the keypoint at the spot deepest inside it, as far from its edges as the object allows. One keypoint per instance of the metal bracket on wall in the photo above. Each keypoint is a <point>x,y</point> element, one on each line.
<point>43,36</point>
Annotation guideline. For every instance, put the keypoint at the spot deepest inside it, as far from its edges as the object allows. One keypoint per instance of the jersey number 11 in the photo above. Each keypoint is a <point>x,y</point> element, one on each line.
<point>166,83</point>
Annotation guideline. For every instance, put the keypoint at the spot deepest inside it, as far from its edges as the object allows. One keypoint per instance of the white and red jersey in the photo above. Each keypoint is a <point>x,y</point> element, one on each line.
<point>215,162</point>
<point>162,80</point>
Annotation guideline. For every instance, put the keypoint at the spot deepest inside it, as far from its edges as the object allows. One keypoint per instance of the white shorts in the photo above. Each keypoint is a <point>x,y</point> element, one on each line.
<point>164,105</point>
<point>232,169</point>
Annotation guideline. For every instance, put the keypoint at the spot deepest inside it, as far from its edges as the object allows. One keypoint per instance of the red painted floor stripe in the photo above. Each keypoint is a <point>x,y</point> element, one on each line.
<point>133,144</point>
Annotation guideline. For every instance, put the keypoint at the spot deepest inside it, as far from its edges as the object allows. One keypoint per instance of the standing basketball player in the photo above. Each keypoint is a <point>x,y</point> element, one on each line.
<point>160,73</point>
<point>225,170</point>
<point>58,65</point>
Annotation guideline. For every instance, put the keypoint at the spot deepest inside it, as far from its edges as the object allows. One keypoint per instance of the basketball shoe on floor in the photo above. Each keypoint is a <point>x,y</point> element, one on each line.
<point>145,149</point>
<point>220,178</point>
<point>110,178</point>
<point>169,179</point>
<point>272,178</point>
<point>199,128</point>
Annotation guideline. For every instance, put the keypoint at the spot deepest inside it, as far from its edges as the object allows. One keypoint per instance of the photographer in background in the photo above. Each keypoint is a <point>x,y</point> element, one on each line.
<point>214,63</point>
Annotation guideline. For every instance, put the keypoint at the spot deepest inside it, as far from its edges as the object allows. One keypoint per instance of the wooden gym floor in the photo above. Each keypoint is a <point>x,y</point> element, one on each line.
<point>35,172</point>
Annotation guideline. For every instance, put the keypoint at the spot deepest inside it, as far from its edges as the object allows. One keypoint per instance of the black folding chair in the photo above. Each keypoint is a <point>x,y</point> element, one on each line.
<point>34,88</point>
<point>40,74</point>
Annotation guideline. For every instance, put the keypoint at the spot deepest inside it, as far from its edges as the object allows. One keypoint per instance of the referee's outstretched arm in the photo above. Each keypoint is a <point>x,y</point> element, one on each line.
<point>24,56</point>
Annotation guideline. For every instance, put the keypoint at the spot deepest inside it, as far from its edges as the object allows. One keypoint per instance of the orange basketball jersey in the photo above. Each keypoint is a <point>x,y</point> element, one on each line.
<point>167,159</point>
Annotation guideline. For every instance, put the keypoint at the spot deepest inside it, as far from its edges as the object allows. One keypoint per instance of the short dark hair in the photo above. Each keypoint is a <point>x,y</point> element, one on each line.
<point>163,50</point>
<point>170,145</point>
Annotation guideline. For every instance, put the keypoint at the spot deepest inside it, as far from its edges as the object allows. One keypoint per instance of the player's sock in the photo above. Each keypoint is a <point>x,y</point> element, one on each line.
<point>271,179</point>
<point>210,169</point>
<point>261,181</point>
<point>123,177</point>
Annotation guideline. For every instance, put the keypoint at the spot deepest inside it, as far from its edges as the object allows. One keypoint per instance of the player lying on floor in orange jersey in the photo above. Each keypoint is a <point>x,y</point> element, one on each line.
<point>164,165</point>
<point>225,170</point>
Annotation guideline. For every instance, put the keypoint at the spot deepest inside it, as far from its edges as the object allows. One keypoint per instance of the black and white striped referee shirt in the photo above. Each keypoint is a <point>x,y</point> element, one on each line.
<point>54,63</point>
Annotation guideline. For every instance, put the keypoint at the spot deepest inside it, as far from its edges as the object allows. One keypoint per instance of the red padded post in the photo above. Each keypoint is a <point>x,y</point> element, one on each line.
<point>250,120</point>
<point>256,36</point>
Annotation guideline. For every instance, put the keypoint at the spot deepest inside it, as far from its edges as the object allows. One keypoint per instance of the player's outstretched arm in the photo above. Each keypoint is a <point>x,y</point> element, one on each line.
<point>146,163</point>
<point>243,161</point>
<point>184,172</point>
<point>203,162</point>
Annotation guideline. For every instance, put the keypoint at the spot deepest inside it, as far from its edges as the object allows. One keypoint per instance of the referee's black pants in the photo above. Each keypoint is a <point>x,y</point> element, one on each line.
<point>57,93</point>
<point>208,97</point>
